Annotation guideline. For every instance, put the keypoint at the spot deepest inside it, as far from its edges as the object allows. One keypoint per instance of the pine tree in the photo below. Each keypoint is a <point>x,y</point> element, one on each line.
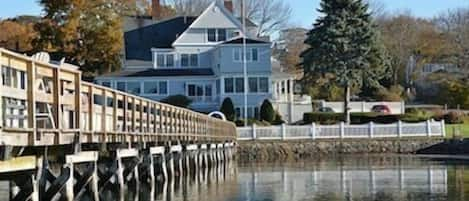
<point>267,111</point>
<point>344,43</point>
<point>227,108</point>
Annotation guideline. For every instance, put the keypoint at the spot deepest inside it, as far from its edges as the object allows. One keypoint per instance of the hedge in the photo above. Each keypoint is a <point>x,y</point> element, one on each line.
<point>364,118</point>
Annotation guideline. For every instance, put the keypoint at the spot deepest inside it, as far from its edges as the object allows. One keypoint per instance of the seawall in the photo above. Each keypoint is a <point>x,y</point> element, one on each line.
<point>304,149</point>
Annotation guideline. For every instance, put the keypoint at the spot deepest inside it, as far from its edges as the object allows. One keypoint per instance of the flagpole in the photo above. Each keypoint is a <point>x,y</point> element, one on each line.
<point>245,73</point>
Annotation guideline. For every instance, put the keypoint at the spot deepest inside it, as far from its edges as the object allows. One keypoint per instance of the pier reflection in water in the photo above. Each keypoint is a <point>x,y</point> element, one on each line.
<point>370,178</point>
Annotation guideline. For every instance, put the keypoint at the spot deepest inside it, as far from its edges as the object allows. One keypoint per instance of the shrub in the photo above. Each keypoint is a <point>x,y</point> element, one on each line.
<point>454,118</point>
<point>177,100</point>
<point>278,119</point>
<point>227,108</point>
<point>240,122</point>
<point>267,111</point>
<point>322,117</point>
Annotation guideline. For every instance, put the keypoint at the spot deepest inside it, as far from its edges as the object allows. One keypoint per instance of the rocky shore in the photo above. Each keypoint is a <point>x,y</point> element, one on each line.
<point>304,149</point>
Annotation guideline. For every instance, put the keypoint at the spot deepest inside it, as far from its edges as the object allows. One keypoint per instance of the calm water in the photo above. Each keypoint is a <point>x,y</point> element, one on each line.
<point>380,178</point>
<point>368,178</point>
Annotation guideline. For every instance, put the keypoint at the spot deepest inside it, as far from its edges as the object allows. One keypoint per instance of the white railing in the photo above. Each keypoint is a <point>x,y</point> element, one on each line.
<point>429,128</point>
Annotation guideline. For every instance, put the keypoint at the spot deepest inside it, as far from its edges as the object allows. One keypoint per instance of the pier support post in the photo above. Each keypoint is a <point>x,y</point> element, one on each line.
<point>192,159</point>
<point>21,173</point>
<point>203,156</point>
<point>83,175</point>
<point>175,161</point>
<point>159,163</point>
<point>122,171</point>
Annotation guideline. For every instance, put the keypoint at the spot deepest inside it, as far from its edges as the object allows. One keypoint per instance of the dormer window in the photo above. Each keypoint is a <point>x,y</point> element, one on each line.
<point>165,60</point>
<point>216,35</point>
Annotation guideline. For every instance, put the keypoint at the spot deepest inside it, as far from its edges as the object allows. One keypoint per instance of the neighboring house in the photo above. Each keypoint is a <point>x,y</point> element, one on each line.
<point>200,57</point>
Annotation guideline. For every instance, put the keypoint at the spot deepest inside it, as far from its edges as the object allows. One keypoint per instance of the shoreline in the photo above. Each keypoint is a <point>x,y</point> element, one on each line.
<point>271,151</point>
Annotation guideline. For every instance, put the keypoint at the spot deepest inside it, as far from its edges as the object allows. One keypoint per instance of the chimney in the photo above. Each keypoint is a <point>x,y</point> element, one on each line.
<point>155,9</point>
<point>229,5</point>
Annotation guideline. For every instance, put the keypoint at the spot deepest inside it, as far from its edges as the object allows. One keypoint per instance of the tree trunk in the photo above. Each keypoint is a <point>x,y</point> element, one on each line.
<point>346,104</point>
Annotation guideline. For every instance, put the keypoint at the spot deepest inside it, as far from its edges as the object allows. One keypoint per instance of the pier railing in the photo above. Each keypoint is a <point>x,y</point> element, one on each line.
<point>315,131</point>
<point>48,104</point>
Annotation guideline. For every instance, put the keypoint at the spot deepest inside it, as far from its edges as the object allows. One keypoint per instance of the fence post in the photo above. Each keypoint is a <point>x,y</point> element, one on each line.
<point>254,134</point>
<point>429,128</point>
<point>283,131</point>
<point>370,130</point>
<point>399,129</point>
<point>443,128</point>
<point>313,130</point>
<point>342,130</point>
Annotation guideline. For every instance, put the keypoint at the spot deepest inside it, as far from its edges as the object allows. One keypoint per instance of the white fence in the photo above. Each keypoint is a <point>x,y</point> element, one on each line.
<point>395,107</point>
<point>285,132</point>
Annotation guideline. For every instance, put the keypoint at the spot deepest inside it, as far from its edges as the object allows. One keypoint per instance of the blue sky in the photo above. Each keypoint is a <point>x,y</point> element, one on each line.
<point>304,11</point>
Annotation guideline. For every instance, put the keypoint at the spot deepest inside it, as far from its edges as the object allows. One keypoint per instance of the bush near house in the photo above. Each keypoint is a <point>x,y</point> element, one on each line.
<point>364,118</point>
<point>177,100</point>
<point>227,108</point>
<point>267,111</point>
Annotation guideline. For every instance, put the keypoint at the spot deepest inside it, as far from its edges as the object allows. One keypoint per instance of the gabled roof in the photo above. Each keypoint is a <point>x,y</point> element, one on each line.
<point>162,72</point>
<point>239,40</point>
<point>139,42</point>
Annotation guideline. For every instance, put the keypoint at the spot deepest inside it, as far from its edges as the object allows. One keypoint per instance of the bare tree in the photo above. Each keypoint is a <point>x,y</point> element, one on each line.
<point>189,7</point>
<point>270,15</point>
<point>455,25</point>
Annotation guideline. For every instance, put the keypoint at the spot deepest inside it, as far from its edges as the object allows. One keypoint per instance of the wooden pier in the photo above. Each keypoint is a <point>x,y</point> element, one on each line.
<point>65,139</point>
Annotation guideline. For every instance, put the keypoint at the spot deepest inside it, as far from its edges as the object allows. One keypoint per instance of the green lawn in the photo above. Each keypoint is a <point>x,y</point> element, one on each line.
<point>463,129</point>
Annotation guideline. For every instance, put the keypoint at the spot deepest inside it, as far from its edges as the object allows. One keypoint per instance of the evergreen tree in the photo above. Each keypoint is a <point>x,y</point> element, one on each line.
<point>227,108</point>
<point>344,43</point>
<point>267,111</point>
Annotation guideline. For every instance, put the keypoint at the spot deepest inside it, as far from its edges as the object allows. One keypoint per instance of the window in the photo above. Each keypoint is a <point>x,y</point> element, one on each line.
<point>106,84</point>
<point>208,90</point>
<point>154,87</point>
<point>160,60</point>
<point>254,53</point>
<point>194,60</point>
<point>229,85</point>
<point>169,60</point>
<point>237,54</point>
<point>189,60</point>
<point>184,60</point>
<point>221,34</point>
<point>133,87</point>
<point>163,86</point>
<point>165,60</point>
<point>150,87</point>
<point>121,86</point>
<point>263,85</point>
<point>253,85</point>
<point>238,112</point>
<point>239,85</point>
<point>216,35</point>
<point>211,35</point>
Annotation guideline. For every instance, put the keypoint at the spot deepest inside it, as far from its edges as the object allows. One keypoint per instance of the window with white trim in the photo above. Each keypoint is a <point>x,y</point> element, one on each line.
<point>189,60</point>
<point>155,87</point>
<point>258,85</point>
<point>164,60</point>
<point>252,54</point>
<point>216,35</point>
<point>199,91</point>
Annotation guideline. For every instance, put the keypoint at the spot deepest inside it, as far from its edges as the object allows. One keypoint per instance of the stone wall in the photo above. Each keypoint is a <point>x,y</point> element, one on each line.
<point>283,150</point>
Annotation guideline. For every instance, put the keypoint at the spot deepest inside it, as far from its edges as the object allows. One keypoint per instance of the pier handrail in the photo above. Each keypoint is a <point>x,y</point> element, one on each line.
<point>67,109</point>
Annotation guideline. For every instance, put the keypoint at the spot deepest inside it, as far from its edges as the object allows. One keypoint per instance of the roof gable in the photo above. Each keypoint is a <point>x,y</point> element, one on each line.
<point>216,16</point>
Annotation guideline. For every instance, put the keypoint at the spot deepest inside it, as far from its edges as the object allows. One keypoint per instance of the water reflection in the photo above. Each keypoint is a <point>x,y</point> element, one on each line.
<point>368,178</point>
